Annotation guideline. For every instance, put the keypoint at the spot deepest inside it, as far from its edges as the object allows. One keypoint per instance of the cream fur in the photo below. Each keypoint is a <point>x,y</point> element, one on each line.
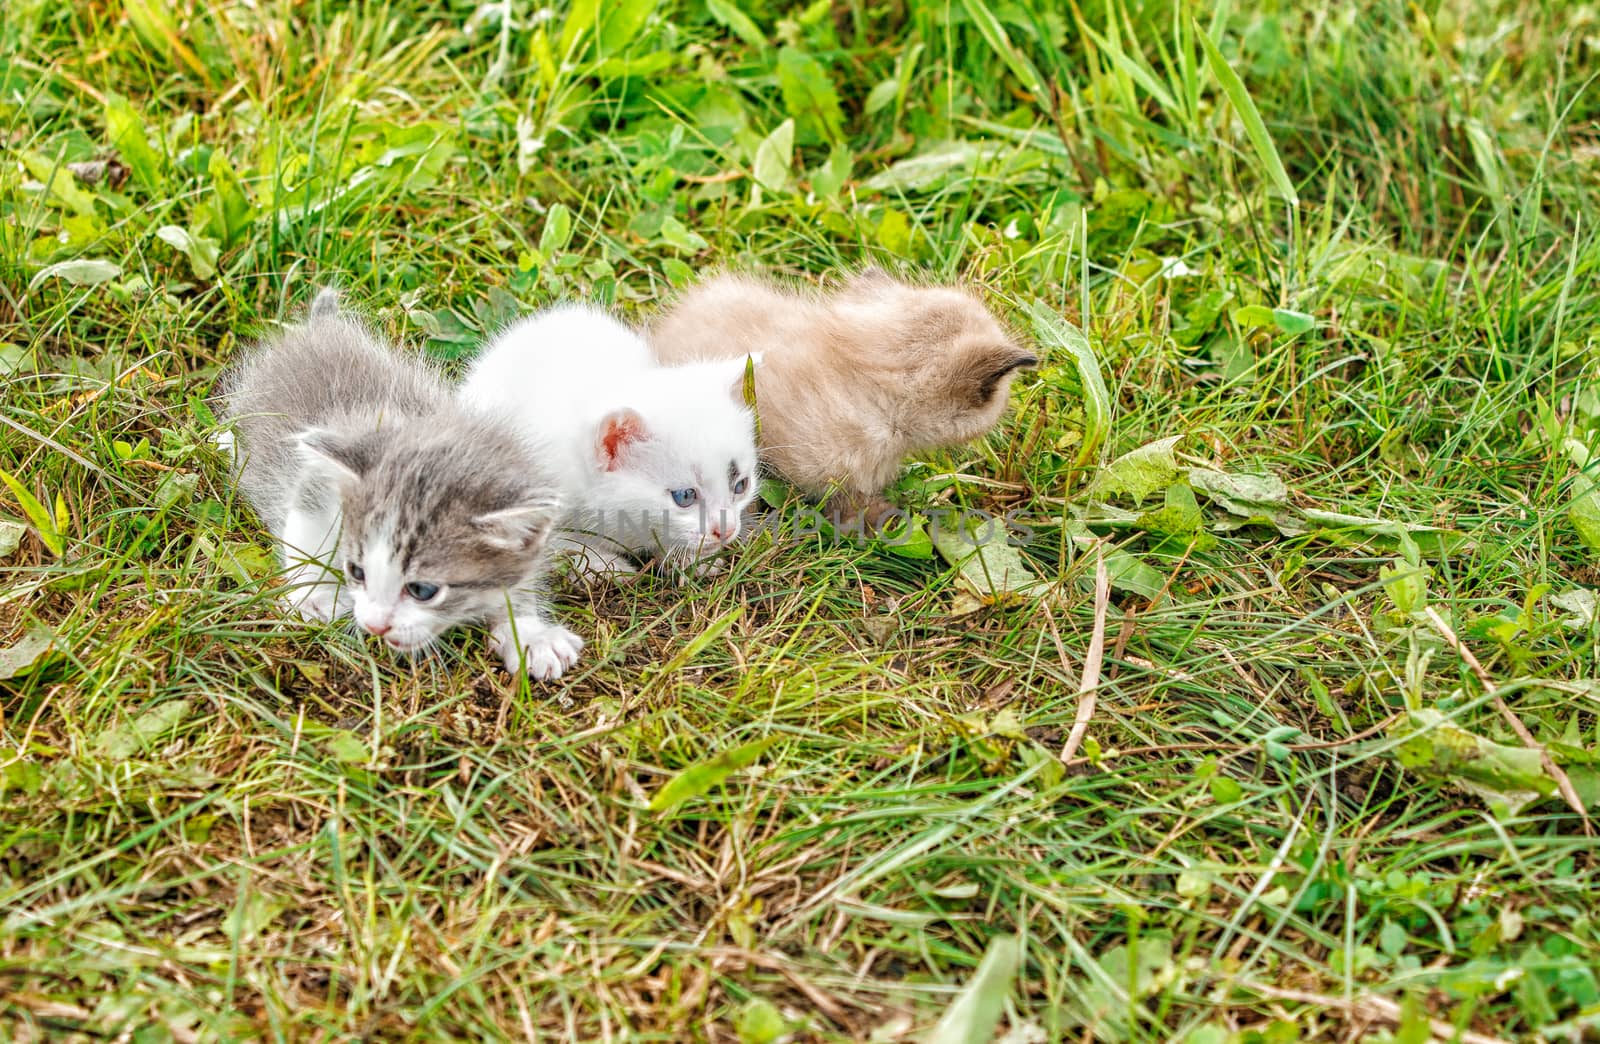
<point>853,382</point>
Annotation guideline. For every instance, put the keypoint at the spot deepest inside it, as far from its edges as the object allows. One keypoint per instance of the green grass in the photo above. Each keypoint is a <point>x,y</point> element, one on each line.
<point>216,823</point>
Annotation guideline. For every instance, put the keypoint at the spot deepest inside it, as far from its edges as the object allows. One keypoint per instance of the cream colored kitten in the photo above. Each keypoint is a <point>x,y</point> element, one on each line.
<point>851,383</point>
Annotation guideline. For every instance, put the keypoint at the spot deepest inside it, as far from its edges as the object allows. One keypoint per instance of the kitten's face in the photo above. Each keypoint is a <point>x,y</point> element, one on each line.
<point>432,535</point>
<point>678,477</point>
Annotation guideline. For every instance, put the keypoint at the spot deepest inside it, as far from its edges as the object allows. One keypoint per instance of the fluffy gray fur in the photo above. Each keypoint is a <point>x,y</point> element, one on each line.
<point>389,501</point>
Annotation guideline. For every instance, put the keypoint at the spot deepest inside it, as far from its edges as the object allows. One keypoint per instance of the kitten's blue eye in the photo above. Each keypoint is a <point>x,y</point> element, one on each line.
<point>685,497</point>
<point>740,486</point>
<point>422,592</point>
<point>356,573</point>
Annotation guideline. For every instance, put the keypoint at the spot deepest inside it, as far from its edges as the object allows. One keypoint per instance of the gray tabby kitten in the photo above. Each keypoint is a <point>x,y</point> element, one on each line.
<point>435,516</point>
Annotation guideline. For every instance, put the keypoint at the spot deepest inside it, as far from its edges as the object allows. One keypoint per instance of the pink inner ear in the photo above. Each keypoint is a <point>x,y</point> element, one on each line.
<point>617,432</point>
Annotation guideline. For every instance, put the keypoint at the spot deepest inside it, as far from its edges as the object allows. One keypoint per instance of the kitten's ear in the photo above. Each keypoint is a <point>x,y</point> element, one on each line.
<point>619,431</point>
<point>988,369</point>
<point>326,304</point>
<point>523,528</point>
<point>343,457</point>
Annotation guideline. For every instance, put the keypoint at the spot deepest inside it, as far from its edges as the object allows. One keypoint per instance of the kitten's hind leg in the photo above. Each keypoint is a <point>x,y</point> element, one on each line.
<point>310,535</point>
<point>860,512</point>
<point>595,557</point>
<point>526,641</point>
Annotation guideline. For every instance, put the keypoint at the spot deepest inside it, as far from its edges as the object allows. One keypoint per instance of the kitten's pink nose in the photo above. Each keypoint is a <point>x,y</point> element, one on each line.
<point>722,532</point>
<point>379,629</point>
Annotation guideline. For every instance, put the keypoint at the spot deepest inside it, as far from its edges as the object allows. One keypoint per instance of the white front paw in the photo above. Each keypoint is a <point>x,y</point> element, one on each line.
<point>313,600</point>
<point>705,568</point>
<point>543,650</point>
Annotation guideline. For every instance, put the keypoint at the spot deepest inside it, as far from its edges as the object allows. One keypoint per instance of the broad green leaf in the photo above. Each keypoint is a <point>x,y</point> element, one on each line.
<point>1201,317</point>
<point>1123,979</point>
<point>1264,500</point>
<point>140,735</point>
<point>809,96</point>
<point>1139,472</point>
<point>1582,603</point>
<point>676,272</point>
<point>125,131</point>
<point>242,562</point>
<point>1250,499</point>
<point>990,570</point>
<point>1254,317</point>
<point>1126,571</point>
<point>894,232</point>
<point>1291,322</point>
<point>1586,782</point>
<point>1432,538</point>
<point>233,211</point>
<point>774,492</point>
<point>994,34</point>
<point>679,236</point>
<point>1240,494</point>
<point>415,155</point>
<point>557,230</point>
<point>346,747</point>
<point>1254,127</point>
<point>644,66</point>
<point>727,13</point>
<point>761,1022</point>
<point>1195,883</point>
<point>583,18</point>
<point>59,184</point>
<point>201,251</point>
<point>975,1014</point>
<point>1584,511</point>
<point>908,538</point>
<point>882,96</point>
<point>1577,450</point>
<point>1225,791</point>
<point>25,776</point>
<point>44,522</point>
<point>1407,586</point>
<point>934,166</point>
<point>1179,519</point>
<point>13,357</point>
<point>700,777</point>
<point>1507,779</point>
<point>774,156</point>
<point>828,179</point>
<point>1052,331</point>
<point>83,271</point>
<point>622,22</point>
<point>22,655</point>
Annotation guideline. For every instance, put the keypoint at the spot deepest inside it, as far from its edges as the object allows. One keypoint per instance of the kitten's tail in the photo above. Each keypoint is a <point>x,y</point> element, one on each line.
<point>326,304</point>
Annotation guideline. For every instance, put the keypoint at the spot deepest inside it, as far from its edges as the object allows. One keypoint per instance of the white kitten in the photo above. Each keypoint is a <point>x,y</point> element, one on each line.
<point>650,459</point>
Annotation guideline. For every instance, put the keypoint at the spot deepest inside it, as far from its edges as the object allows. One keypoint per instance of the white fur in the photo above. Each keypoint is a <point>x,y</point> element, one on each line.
<point>380,606</point>
<point>567,376</point>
